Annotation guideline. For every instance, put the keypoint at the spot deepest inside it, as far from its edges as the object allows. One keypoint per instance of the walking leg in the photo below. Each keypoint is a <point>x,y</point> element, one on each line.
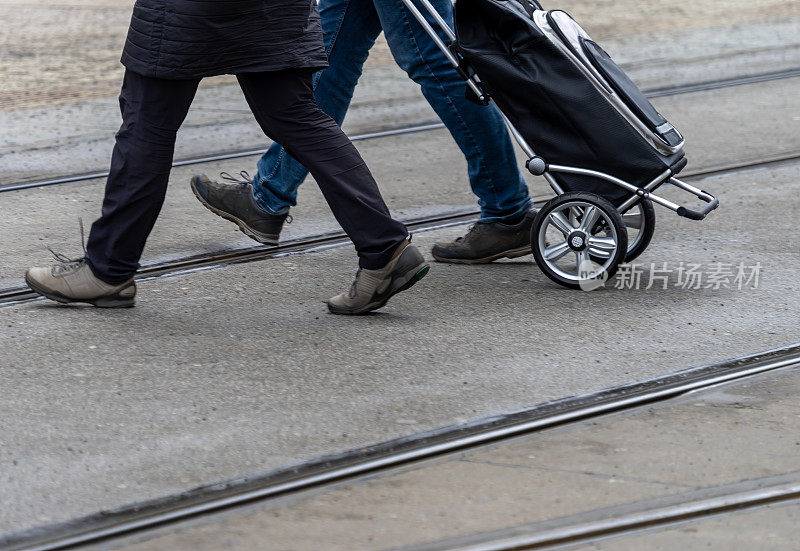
<point>350,28</point>
<point>479,131</point>
<point>152,111</point>
<point>283,103</point>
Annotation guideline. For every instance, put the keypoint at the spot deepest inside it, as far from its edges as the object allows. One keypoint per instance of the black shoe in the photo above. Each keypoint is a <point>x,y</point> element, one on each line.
<point>488,241</point>
<point>235,202</point>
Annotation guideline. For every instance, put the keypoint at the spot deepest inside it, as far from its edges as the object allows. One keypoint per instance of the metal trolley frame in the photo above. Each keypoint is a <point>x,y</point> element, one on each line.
<point>597,238</point>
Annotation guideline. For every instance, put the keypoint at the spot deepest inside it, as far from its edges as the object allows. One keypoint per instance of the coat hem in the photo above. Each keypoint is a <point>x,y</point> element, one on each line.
<point>148,70</point>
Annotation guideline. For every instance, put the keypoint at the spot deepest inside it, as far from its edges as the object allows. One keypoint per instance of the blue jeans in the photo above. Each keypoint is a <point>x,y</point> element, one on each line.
<point>350,28</point>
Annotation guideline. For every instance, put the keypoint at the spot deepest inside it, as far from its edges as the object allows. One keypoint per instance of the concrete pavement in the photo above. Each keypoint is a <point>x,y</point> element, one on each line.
<point>419,174</point>
<point>239,370</point>
<point>228,372</point>
<point>772,528</point>
<point>708,443</point>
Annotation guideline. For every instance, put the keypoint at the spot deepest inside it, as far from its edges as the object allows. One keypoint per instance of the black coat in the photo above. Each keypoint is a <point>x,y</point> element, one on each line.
<point>185,39</point>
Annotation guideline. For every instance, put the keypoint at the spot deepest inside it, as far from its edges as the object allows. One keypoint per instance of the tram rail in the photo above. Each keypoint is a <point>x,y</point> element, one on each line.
<point>191,263</point>
<point>590,527</point>
<point>674,90</point>
<point>398,453</point>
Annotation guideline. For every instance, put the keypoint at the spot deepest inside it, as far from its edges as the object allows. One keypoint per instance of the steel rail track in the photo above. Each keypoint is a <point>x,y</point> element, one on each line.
<point>397,453</point>
<point>420,127</point>
<point>677,509</point>
<point>198,262</point>
<point>17,295</point>
<point>236,154</point>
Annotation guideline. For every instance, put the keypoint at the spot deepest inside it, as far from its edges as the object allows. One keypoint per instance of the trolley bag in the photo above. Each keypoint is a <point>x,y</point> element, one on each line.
<point>565,95</point>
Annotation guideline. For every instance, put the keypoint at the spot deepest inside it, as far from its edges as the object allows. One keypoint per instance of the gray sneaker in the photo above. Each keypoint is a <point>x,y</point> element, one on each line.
<point>373,288</point>
<point>488,241</point>
<point>73,281</point>
<point>234,201</point>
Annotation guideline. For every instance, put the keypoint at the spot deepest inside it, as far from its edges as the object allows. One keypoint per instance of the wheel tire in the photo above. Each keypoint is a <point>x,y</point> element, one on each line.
<point>608,211</point>
<point>642,240</point>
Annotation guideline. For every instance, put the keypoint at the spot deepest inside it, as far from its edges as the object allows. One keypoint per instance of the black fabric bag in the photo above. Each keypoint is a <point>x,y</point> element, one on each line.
<point>567,98</point>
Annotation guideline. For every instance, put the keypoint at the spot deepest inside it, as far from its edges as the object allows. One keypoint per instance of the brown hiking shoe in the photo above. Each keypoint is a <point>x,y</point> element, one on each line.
<point>373,288</point>
<point>486,242</point>
<point>234,201</point>
<point>73,281</point>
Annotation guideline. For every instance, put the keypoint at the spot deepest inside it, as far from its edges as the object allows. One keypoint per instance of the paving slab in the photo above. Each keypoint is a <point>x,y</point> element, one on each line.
<point>729,436</point>
<point>226,372</point>
<point>420,174</point>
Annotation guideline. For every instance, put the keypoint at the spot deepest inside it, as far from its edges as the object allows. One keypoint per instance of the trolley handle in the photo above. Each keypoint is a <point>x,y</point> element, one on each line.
<point>702,213</point>
<point>712,202</point>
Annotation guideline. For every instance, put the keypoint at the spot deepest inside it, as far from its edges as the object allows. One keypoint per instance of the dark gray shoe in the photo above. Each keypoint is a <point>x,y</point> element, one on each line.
<point>488,241</point>
<point>234,201</point>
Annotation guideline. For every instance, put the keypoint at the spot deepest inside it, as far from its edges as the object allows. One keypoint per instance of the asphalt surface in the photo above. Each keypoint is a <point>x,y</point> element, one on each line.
<point>419,174</point>
<point>675,452</point>
<point>222,373</point>
<point>239,370</point>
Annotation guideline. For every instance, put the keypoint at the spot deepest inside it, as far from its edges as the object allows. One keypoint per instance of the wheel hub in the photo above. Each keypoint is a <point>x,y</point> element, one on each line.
<point>577,241</point>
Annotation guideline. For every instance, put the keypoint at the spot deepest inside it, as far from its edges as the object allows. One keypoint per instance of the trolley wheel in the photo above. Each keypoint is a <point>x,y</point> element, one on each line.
<point>569,231</point>
<point>640,221</point>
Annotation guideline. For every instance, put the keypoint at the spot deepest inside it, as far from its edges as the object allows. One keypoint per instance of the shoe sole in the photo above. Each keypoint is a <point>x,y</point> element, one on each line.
<point>108,301</point>
<point>515,253</point>
<point>402,283</point>
<point>264,238</point>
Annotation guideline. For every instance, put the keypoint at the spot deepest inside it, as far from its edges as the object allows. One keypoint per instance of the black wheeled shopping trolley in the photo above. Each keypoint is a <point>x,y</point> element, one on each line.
<point>583,124</point>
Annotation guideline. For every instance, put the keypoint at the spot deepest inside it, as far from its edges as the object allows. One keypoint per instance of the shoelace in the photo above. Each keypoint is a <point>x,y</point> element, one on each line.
<point>472,229</point>
<point>244,175</point>
<point>64,262</point>
<point>354,286</point>
<point>246,179</point>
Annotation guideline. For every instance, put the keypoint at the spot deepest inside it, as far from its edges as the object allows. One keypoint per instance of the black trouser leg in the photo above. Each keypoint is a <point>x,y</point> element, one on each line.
<point>152,111</point>
<point>283,103</point>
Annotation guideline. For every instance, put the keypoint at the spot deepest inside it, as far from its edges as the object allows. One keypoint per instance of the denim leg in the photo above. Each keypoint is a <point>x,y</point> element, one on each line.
<point>350,28</point>
<point>479,131</point>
